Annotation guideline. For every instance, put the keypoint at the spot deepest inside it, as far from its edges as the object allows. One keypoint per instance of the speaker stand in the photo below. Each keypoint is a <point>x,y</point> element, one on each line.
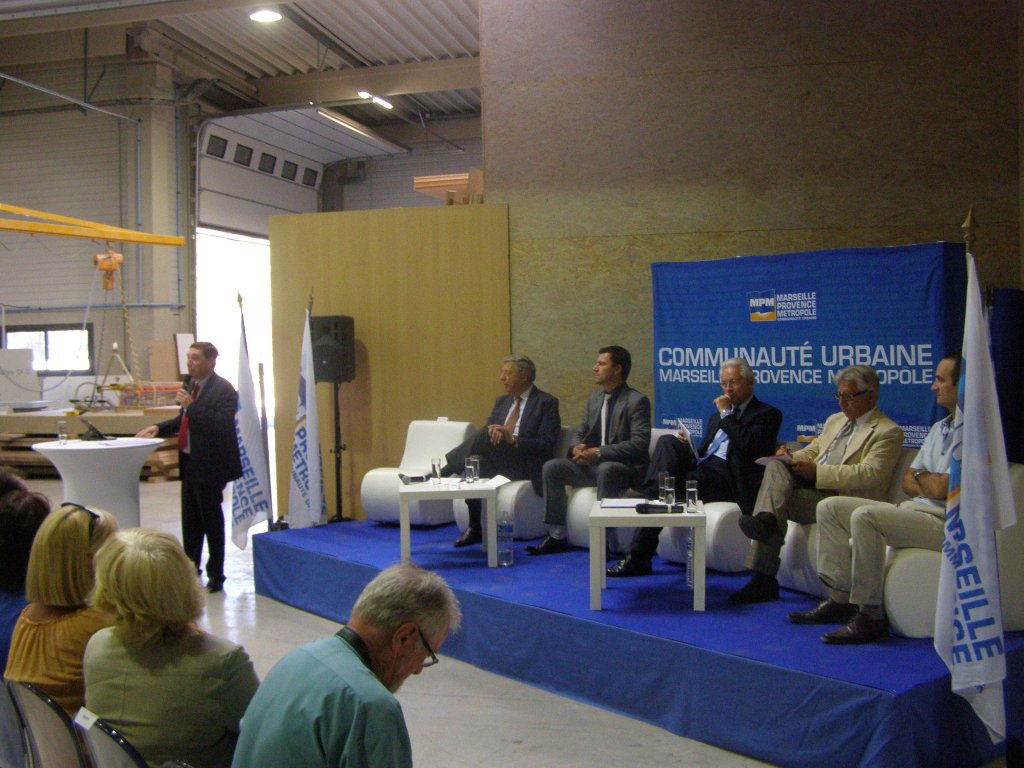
<point>338,448</point>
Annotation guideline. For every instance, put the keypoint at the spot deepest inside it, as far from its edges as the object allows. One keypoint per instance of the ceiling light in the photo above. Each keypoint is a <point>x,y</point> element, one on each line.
<point>265,15</point>
<point>382,103</point>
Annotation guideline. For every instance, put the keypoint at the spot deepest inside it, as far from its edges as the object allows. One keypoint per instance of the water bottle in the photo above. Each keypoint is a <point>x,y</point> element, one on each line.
<point>689,559</point>
<point>505,532</point>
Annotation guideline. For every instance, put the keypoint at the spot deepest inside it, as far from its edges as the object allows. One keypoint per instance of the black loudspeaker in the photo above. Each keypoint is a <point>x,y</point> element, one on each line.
<point>334,347</point>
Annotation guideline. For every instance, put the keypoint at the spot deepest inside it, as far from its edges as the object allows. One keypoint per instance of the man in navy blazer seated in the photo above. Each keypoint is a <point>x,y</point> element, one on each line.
<point>741,430</point>
<point>520,435</point>
<point>611,449</point>
<point>208,457</point>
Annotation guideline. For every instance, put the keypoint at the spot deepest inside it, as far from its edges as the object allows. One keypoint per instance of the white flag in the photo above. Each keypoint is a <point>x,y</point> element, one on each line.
<point>250,495</point>
<point>306,505</point>
<point>968,620</point>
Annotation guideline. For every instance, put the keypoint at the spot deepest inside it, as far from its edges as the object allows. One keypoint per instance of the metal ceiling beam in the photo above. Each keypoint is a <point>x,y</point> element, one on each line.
<point>119,14</point>
<point>391,80</point>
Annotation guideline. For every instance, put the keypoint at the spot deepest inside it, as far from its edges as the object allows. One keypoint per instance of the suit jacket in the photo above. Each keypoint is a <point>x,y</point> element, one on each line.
<point>540,427</point>
<point>629,427</point>
<point>211,425</point>
<point>751,436</point>
<point>869,459</point>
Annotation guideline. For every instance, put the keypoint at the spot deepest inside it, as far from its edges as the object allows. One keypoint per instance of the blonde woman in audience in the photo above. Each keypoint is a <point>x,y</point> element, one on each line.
<point>50,635</point>
<point>173,690</point>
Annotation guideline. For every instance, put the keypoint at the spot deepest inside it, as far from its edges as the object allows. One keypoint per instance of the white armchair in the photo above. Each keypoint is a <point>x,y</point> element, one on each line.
<point>424,441</point>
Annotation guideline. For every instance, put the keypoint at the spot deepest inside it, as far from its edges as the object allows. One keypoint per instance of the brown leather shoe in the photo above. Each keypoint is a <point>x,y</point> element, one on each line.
<point>470,536</point>
<point>861,629</point>
<point>827,612</point>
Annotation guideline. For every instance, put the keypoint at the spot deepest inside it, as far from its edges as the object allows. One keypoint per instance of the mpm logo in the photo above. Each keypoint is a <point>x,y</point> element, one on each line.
<point>762,305</point>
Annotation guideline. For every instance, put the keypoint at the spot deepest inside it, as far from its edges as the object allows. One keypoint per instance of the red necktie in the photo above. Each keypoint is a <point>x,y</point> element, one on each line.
<point>513,417</point>
<point>183,429</point>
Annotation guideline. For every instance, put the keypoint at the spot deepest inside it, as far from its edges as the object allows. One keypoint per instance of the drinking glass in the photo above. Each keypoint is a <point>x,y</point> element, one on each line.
<point>472,469</point>
<point>62,432</point>
<point>661,485</point>
<point>691,495</point>
<point>435,471</point>
<point>669,495</point>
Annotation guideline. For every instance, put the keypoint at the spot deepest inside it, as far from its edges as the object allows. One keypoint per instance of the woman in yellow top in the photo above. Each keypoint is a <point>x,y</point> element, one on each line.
<point>50,636</point>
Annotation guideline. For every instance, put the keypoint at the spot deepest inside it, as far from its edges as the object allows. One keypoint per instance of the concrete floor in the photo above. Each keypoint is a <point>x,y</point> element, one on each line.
<point>458,716</point>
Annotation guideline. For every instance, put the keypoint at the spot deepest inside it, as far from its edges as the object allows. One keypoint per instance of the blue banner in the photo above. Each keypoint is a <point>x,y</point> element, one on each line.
<point>798,319</point>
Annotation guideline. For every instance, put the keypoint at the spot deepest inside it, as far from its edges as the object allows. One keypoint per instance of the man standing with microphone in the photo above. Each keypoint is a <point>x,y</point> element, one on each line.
<point>208,457</point>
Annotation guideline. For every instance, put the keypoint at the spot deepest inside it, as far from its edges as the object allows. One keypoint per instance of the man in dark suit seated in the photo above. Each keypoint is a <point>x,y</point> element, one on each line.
<point>741,430</point>
<point>611,448</point>
<point>520,435</point>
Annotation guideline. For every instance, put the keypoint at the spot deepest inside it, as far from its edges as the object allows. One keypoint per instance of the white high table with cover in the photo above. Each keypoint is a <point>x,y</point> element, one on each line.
<point>449,488</point>
<point>102,473</point>
<point>607,513</point>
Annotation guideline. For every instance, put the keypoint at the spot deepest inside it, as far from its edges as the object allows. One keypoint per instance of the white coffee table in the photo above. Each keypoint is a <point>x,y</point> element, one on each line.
<point>622,512</point>
<point>102,473</point>
<point>462,490</point>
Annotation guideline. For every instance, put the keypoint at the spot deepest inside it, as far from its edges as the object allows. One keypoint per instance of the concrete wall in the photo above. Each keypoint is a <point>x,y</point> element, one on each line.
<point>621,134</point>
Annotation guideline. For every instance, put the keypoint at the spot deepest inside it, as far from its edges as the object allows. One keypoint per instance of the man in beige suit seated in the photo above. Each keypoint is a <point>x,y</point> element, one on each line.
<point>853,533</point>
<point>854,455</point>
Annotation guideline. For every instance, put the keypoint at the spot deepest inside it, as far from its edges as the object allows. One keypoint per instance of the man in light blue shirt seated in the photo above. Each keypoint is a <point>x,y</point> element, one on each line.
<point>853,533</point>
<point>330,703</point>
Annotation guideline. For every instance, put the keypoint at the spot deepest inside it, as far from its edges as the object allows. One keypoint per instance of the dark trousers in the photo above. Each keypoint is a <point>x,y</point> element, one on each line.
<point>501,459</point>
<point>675,457</point>
<point>202,517</point>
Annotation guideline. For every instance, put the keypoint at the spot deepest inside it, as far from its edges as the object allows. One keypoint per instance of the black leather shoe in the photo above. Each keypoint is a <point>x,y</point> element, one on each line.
<point>759,527</point>
<point>470,536</point>
<point>215,585</point>
<point>630,565</point>
<point>827,612</point>
<point>550,546</point>
<point>760,589</point>
<point>861,629</point>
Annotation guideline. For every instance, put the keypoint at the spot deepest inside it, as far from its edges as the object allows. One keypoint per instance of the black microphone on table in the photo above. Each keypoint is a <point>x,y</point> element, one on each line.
<point>92,433</point>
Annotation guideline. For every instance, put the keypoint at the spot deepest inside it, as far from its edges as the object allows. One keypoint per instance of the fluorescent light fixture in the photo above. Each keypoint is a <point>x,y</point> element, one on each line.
<point>344,122</point>
<point>265,15</point>
<point>383,103</point>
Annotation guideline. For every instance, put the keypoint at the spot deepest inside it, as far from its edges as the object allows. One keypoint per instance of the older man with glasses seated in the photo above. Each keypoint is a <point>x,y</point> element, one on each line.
<point>854,455</point>
<point>330,703</point>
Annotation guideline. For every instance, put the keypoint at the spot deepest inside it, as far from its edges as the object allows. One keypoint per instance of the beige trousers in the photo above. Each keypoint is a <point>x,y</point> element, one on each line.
<point>859,567</point>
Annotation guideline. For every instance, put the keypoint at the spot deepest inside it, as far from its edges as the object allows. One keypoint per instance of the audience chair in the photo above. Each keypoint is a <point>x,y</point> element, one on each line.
<point>106,747</point>
<point>52,740</point>
<point>12,733</point>
<point>425,440</point>
<point>518,495</point>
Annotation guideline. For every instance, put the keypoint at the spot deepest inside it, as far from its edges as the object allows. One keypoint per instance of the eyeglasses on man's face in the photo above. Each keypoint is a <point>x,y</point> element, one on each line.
<point>849,397</point>
<point>431,659</point>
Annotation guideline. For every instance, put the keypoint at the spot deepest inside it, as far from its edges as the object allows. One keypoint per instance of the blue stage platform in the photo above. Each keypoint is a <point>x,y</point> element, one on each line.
<point>739,677</point>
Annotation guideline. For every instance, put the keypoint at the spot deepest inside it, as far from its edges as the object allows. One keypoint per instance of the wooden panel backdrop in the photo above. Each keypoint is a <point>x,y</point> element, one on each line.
<point>429,291</point>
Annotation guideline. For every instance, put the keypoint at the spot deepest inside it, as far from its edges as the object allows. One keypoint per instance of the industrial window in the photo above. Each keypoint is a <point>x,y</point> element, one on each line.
<point>267,162</point>
<point>216,146</point>
<point>56,349</point>
<point>243,154</point>
<point>289,170</point>
<point>309,177</point>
